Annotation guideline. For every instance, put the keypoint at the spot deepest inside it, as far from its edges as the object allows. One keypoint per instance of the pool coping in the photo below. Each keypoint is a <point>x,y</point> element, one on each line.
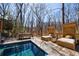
<point>16,41</point>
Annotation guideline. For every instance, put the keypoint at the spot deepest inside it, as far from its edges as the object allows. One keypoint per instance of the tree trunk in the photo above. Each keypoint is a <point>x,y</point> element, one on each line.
<point>63,13</point>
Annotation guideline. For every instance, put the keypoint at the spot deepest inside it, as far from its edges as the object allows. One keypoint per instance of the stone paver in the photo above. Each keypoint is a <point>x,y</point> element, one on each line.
<point>55,49</point>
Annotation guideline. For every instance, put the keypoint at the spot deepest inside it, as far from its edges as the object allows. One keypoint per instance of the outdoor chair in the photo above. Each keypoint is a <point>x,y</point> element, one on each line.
<point>51,35</point>
<point>69,39</point>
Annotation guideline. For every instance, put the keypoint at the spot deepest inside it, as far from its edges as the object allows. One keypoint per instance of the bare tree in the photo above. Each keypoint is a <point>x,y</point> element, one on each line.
<point>20,14</point>
<point>39,11</point>
<point>32,23</point>
<point>67,13</point>
<point>27,22</point>
<point>76,7</point>
<point>3,9</point>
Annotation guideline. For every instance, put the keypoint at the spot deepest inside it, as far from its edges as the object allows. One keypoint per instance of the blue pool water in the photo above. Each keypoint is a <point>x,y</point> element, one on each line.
<point>27,48</point>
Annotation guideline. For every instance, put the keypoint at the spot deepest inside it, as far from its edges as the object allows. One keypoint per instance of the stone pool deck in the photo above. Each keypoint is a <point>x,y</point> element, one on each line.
<point>51,48</point>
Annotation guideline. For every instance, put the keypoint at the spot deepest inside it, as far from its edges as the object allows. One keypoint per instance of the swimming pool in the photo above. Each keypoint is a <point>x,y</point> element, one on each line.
<point>26,48</point>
